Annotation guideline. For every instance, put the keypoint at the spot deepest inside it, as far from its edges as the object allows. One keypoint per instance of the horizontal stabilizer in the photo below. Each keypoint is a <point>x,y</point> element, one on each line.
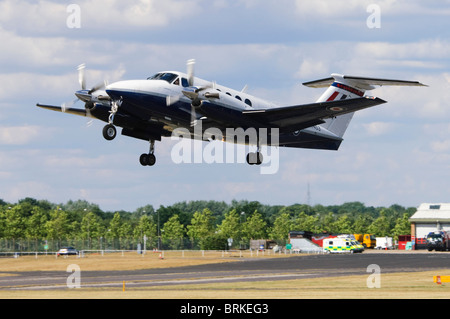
<point>298,117</point>
<point>70,110</point>
<point>359,82</point>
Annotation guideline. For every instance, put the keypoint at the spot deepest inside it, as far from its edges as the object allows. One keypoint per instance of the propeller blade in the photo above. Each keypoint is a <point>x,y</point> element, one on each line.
<point>97,87</point>
<point>190,71</point>
<point>172,99</point>
<point>193,116</point>
<point>81,76</point>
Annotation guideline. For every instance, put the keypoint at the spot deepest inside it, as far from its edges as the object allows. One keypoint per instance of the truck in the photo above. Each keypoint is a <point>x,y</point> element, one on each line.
<point>367,240</point>
<point>341,245</point>
<point>438,240</point>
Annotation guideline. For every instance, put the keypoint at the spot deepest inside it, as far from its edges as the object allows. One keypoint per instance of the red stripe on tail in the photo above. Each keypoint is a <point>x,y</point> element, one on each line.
<point>333,96</point>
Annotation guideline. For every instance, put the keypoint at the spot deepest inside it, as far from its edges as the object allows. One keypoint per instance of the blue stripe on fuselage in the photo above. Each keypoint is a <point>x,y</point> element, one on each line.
<point>144,105</point>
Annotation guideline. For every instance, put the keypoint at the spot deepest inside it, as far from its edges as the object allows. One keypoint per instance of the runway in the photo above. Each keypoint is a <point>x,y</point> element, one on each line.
<point>269,269</point>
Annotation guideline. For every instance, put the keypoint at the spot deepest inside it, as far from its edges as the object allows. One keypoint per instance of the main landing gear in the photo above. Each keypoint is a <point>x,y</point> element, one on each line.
<point>255,158</point>
<point>150,158</point>
<point>110,132</point>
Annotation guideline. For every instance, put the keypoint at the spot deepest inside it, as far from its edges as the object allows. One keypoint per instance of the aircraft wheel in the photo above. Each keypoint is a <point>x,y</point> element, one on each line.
<point>109,132</point>
<point>147,159</point>
<point>151,159</point>
<point>254,158</point>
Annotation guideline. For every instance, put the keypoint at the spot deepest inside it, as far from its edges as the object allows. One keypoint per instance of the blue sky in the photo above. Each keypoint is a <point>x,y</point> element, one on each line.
<point>395,153</point>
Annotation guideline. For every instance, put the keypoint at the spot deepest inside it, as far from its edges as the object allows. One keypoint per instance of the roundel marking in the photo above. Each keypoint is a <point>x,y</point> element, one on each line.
<point>336,109</point>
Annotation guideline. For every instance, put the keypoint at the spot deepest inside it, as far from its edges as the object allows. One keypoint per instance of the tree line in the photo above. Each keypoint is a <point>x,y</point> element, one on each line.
<point>194,224</point>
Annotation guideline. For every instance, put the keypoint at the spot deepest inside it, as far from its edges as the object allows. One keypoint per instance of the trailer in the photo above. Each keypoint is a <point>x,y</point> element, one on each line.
<point>384,243</point>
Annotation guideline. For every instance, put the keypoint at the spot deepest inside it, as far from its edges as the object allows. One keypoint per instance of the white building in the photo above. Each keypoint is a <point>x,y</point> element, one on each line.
<point>429,218</point>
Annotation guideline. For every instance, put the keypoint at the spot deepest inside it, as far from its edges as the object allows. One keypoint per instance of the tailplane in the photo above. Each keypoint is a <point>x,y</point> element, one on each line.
<point>341,87</point>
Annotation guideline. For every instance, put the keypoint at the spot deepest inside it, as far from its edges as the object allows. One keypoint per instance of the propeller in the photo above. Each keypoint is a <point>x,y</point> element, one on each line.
<point>193,93</point>
<point>84,94</point>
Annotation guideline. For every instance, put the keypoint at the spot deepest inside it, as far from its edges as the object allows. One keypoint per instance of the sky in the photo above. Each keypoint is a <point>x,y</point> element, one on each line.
<point>394,153</point>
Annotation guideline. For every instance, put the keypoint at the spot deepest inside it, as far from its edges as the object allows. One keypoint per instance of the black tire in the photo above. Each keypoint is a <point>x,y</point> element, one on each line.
<point>109,132</point>
<point>151,159</point>
<point>254,158</point>
<point>147,159</point>
<point>144,160</point>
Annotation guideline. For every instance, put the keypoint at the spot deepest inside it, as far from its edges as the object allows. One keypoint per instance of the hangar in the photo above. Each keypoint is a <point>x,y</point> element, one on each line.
<point>429,218</point>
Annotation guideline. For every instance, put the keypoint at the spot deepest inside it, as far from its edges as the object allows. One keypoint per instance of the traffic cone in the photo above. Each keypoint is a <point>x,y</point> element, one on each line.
<point>438,280</point>
<point>161,256</point>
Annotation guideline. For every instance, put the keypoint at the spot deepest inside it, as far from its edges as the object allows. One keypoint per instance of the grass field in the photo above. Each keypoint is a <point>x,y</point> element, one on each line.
<point>393,285</point>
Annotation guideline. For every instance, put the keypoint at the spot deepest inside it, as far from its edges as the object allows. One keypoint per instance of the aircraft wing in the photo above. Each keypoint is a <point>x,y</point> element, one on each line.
<point>70,110</point>
<point>299,117</point>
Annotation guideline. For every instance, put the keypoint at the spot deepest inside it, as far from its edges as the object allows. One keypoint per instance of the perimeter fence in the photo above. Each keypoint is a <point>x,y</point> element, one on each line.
<point>123,244</point>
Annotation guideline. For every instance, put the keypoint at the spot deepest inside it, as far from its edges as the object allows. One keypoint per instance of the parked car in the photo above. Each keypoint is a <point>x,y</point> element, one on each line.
<point>67,251</point>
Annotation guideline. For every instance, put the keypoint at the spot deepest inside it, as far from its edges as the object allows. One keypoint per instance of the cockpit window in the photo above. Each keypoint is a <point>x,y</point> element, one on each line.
<point>169,77</point>
<point>184,82</point>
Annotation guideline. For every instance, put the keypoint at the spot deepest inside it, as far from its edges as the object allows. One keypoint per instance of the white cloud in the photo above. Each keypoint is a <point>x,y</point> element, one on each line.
<point>21,135</point>
<point>50,17</point>
<point>440,146</point>
<point>379,128</point>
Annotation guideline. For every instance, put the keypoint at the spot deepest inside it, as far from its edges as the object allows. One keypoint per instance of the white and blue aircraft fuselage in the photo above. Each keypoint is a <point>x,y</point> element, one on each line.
<point>154,108</point>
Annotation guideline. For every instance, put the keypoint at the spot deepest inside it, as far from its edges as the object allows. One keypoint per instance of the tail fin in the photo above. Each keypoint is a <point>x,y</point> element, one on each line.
<point>341,87</point>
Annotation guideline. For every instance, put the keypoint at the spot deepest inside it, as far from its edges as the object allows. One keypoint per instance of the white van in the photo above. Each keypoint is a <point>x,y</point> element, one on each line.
<point>341,245</point>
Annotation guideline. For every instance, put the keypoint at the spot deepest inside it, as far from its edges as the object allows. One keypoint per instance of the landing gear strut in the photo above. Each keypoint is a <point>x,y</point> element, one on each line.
<point>150,158</point>
<point>255,158</point>
<point>109,131</point>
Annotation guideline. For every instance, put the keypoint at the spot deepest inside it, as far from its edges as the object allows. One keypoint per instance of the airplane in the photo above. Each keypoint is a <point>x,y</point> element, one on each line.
<point>152,108</point>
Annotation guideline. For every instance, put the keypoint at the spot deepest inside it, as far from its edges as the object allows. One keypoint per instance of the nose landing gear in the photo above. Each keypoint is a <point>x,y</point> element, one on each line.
<point>109,132</point>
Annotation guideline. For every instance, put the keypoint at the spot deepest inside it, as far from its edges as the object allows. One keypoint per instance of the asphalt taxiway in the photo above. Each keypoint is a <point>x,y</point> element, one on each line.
<point>267,269</point>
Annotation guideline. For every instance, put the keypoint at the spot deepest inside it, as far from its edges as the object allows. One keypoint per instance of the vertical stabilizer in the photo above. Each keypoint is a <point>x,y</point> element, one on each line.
<point>341,87</point>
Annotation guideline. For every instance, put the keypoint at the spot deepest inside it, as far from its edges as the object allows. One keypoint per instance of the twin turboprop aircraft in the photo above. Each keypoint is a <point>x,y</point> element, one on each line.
<point>154,108</point>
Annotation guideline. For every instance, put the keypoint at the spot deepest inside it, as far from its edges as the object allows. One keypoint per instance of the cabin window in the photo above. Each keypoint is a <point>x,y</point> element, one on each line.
<point>238,97</point>
<point>248,102</point>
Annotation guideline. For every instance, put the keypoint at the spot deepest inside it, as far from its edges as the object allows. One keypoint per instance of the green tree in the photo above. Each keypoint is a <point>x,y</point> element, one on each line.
<point>281,227</point>
<point>173,231</point>
<point>35,224</point>
<point>343,225</point>
<point>14,223</point>
<point>402,226</point>
<point>361,224</point>
<point>146,227</point>
<point>115,227</point>
<point>57,227</point>
<point>202,226</point>
<point>230,226</point>
<point>254,227</point>
<point>380,226</point>
<point>304,222</point>
<point>328,223</point>
<point>91,227</point>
